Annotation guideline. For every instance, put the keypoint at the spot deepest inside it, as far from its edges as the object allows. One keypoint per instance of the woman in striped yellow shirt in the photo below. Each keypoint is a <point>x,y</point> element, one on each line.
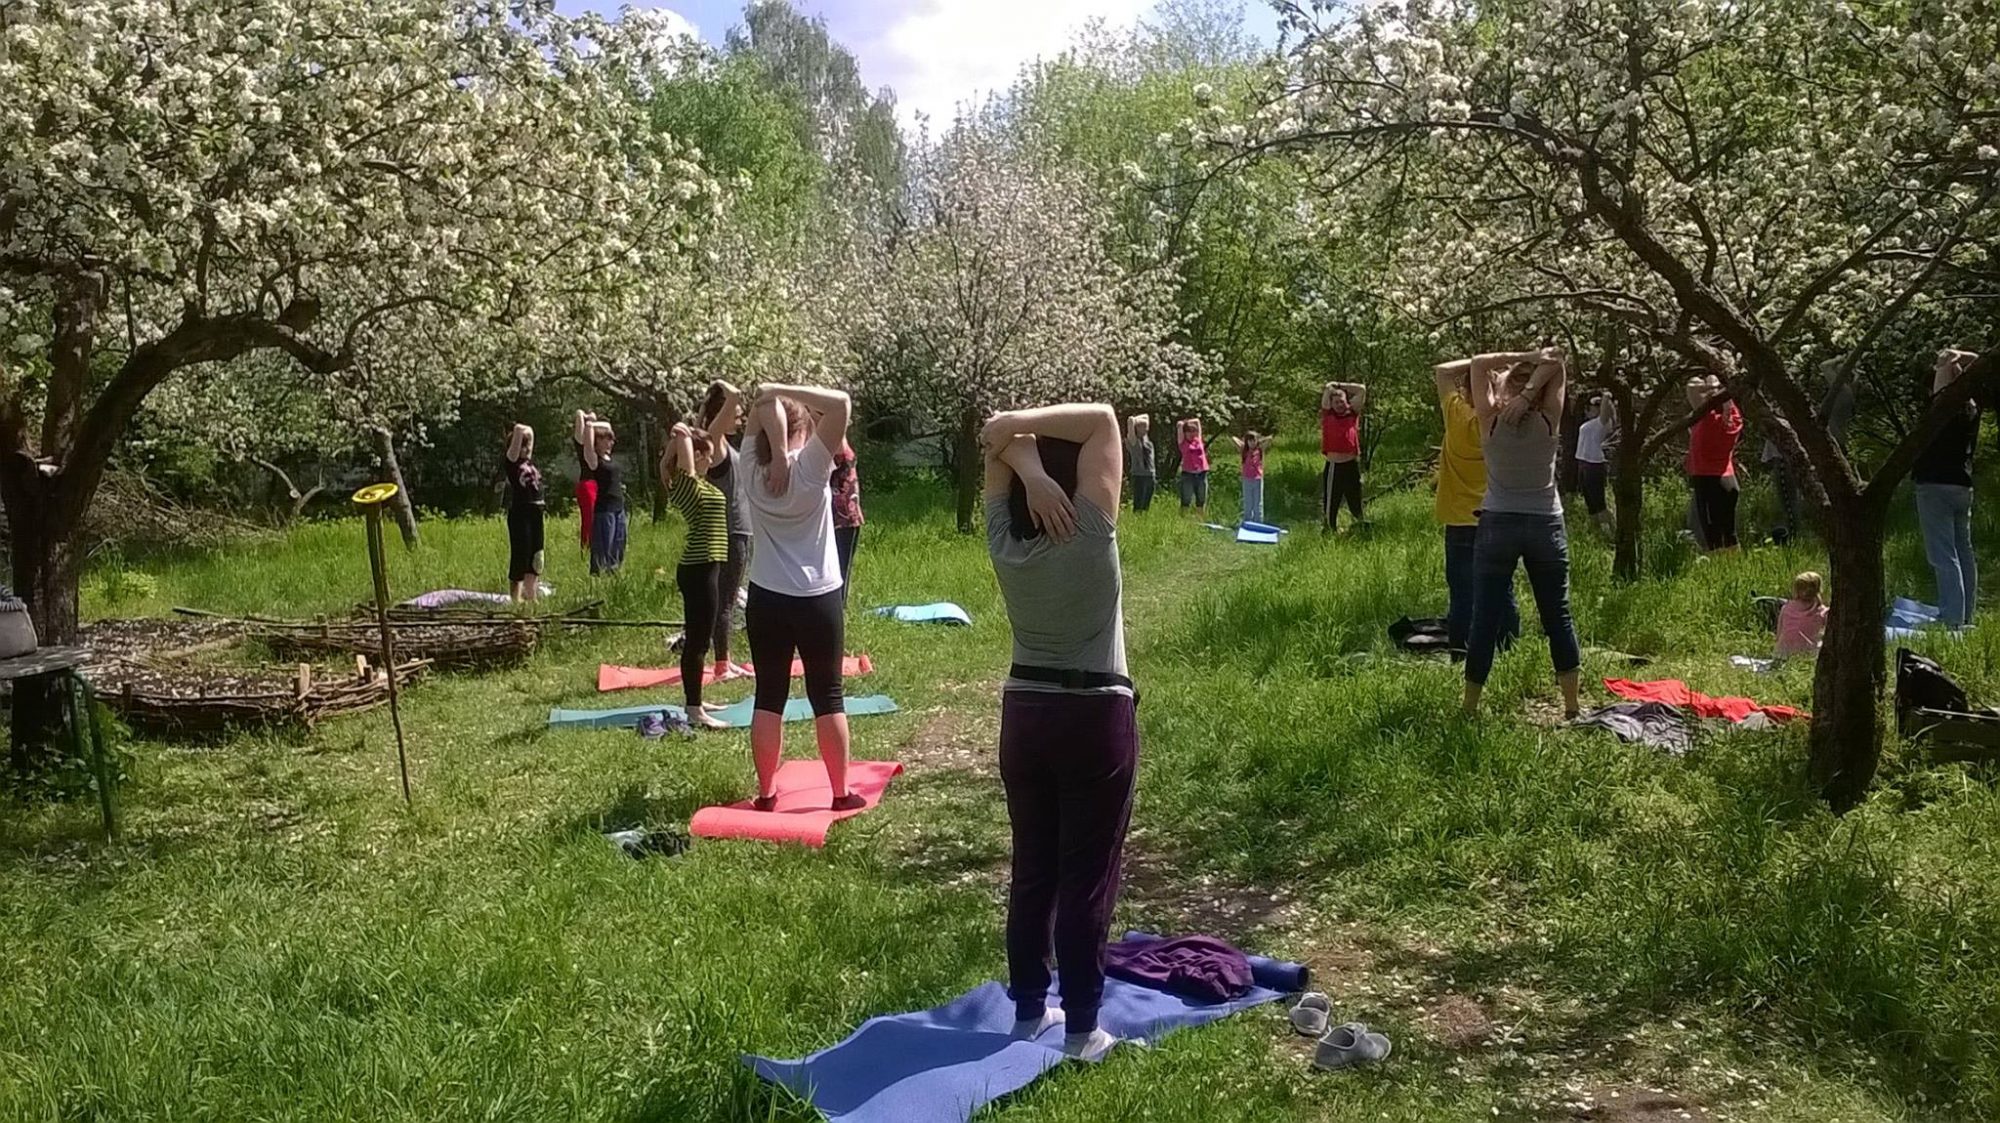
<point>684,477</point>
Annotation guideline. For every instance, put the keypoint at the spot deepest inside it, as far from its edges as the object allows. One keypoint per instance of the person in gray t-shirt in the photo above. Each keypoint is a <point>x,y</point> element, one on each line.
<point>1519,399</point>
<point>1069,732</point>
<point>1139,460</point>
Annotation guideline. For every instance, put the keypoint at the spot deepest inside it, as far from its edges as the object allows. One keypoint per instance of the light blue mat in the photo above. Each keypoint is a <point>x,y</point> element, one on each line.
<point>1257,537</point>
<point>943,612</point>
<point>943,1064</point>
<point>737,715</point>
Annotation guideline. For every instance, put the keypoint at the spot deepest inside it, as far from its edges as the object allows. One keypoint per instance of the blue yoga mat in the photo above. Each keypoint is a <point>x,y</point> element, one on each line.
<point>943,612</point>
<point>943,1064</point>
<point>1263,528</point>
<point>1257,537</point>
<point>1906,613</point>
<point>737,715</point>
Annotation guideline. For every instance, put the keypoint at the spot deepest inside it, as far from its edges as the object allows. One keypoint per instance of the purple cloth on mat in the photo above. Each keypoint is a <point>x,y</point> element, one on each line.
<point>445,598</point>
<point>943,1064</point>
<point>1199,967</point>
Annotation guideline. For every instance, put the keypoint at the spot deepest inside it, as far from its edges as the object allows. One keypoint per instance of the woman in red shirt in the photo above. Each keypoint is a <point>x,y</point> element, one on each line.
<point>1340,406</point>
<point>1711,464</point>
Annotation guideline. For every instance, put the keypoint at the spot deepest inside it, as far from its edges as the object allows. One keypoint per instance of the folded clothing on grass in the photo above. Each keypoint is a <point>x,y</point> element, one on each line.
<point>943,1064</point>
<point>736,716</point>
<point>1676,693</point>
<point>1644,723</point>
<point>804,811</point>
<point>611,678</point>
<point>1202,968</point>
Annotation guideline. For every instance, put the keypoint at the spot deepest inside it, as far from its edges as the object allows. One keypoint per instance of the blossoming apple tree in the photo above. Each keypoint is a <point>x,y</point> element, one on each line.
<point>193,181</point>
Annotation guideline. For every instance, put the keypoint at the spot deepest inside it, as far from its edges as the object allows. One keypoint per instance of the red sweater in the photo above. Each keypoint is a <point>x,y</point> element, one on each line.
<point>1339,434</point>
<point>1712,442</point>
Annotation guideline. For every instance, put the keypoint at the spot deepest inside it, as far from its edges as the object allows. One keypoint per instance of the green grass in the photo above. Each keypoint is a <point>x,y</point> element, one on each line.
<point>1536,915</point>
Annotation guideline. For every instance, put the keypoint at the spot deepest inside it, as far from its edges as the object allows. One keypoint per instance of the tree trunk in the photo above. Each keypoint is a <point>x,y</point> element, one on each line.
<point>1628,506</point>
<point>966,465</point>
<point>402,506</point>
<point>48,567</point>
<point>1846,738</point>
<point>654,436</point>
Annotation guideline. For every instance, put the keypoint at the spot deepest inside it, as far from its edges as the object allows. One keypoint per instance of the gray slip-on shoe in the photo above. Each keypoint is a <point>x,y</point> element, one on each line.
<point>1348,1046</point>
<point>1311,1014</point>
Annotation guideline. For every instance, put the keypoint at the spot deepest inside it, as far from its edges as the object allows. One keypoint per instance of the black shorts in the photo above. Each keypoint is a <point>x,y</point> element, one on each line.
<point>524,543</point>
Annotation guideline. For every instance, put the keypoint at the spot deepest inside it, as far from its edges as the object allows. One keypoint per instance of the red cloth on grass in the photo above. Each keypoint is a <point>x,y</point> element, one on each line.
<point>1674,692</point>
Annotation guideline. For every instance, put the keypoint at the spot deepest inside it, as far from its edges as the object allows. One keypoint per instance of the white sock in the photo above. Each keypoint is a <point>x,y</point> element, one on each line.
<point>1028,1029</point>
<point>1090,1046</point>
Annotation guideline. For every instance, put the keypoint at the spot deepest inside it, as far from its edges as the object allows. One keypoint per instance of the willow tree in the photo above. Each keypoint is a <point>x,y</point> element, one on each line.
<point>1732,180</point>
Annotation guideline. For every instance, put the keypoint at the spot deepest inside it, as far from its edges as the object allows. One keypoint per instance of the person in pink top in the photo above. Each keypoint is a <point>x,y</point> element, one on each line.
<point>1252,446</point>
<point>1803,618</point>
<point>1711,463</point>
<point>1194,466</point>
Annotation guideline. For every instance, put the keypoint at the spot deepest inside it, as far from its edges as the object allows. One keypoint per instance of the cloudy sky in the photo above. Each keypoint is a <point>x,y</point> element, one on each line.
<point>934,53</point>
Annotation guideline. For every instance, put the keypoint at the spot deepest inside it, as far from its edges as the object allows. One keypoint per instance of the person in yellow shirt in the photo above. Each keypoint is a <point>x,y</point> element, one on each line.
<point>1461,487</point>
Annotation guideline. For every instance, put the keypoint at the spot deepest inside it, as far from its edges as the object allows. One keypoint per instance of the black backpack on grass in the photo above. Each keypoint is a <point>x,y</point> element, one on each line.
<point>1922,685</point>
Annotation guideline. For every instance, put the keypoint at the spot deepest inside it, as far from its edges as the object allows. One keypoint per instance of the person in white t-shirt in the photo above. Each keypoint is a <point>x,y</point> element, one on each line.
<point>1592,442</point>
<point>796,606</point>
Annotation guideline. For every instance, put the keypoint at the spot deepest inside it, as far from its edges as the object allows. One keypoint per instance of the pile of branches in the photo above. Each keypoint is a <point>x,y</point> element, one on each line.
<point>464,637</point>
<point>176,700</point>
<point>463,645</point>
<point>130,512</point>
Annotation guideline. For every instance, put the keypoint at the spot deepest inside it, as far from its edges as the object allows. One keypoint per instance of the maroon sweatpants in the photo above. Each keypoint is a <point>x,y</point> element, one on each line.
<point>1069,762</point>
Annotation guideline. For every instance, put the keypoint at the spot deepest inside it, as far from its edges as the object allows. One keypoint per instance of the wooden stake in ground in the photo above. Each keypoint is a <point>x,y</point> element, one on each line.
<point>370,500</point>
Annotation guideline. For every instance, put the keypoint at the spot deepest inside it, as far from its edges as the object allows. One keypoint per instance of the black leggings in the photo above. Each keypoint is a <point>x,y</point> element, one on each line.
<point>1341,483</point>
<point>845,538</point>
<point>1715,508</point>
<point>700,588</point>
<point>781,626</point>
<point>725,604</point>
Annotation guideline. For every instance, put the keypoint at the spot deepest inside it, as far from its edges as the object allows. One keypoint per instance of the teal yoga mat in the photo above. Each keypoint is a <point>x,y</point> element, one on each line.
<point>738,715</point>
<point>943,612</point>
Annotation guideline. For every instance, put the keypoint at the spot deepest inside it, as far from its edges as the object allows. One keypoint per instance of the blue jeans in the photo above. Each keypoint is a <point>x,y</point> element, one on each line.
<point>1540,543</point>
<point>1194,490</point>
<point>1142,491</point>
<point>607,541</point>
<point>1944,511</point>
<point>1253,500</point>
<point>1461,589</point>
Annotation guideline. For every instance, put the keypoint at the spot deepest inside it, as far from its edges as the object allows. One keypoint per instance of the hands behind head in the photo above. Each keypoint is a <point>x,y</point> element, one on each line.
<point>1052,512</point>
